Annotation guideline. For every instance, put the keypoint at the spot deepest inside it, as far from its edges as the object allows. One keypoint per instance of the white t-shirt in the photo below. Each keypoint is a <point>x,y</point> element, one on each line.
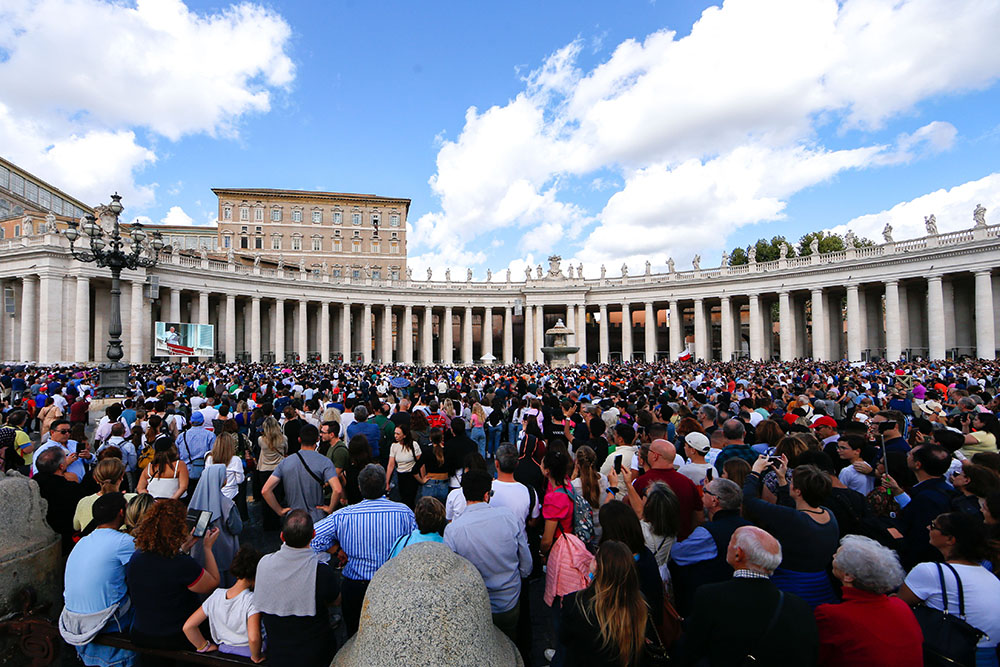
<point>695,472</point>
<point>227,619</point>
<point>405,459</point>
<point>982,595</point>
<point>852,479</point>
<point>210,414</point>
<point>678,461</point>
<point>234,475</point>
<point>454,505</point>
<point>515,497</point>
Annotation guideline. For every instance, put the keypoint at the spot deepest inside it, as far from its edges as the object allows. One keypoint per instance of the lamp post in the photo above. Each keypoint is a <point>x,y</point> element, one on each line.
<point>112,254</point>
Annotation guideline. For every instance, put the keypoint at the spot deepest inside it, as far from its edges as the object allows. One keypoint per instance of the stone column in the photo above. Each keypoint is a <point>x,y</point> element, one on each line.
<point>140,333</point>
<point>230,328</point>
<point>324,332</point>
<point>701,343</point>
<point>405,333</point>
<point>650,324</point>
<point>487,331</point>
<point>935,318</point>
<point>508,335</point>
<point>676,330</point>
<point>786,328</point>
<point>81,347</point>
<point>279,331</point>
<point>853,324</point>
<point>255,329</point>
<point>539,333</point>
<point>345,333</point>
<point>175,305</point>
<point>820,326</point>
<point>467,336</point>
<point>29,316</point>
<point>605,346</point>
<point>529,335</point>
<point>203,308</point>
<point>728,335</point>
<point>366,334</point>
<point>447,337</point>
<point>893,335</point>
<point>756,329</point>
<point>986,347</point>
<point>570,323</point>
<point>303,342</point>
<point>427,337</point>
<point>581,333</point>
<point>626,332</point>
<point>50,312</point>
<point>387,334</point>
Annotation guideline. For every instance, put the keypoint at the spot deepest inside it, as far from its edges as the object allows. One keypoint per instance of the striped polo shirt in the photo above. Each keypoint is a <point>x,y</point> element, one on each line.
<point>366,532</point>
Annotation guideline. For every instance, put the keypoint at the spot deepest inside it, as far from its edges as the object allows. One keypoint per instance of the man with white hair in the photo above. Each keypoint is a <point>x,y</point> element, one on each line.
<point>747,619</point>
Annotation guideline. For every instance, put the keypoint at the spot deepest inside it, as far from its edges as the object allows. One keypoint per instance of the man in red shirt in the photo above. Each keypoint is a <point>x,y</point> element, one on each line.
<point>660,468</point>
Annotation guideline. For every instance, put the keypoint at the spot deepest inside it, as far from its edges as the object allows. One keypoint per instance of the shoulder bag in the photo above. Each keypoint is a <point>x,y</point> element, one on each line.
<point>948,638</point>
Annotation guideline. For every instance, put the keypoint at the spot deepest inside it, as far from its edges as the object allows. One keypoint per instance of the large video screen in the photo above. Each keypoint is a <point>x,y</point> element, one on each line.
<point>177,339</point>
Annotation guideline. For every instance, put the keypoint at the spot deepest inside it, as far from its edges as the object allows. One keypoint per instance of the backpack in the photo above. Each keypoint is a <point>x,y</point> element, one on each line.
<point>436,420</point>
<point>583,519</point>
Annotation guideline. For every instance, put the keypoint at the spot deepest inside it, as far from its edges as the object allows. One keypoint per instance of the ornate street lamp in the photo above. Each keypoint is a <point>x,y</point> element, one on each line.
<point>112,254</point>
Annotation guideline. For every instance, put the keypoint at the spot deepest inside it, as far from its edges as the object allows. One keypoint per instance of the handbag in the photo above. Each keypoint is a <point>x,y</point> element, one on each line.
<point>656,652</point>
<point>948,638</point>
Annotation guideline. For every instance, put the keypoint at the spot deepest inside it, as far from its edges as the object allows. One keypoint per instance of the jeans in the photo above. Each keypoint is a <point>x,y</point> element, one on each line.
<point>513,431</point>
<point>494,434</point>
<point>435,488</point>
<point>478,434</point>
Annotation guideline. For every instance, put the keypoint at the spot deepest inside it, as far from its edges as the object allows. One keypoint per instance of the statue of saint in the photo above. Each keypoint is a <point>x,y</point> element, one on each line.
<point>979,216</point>
<point>508,276</point>
<point>256,260</point>
<point>468,275</point>
<point>50,223</point>
<point>725,258</point>
<point>849,240</point>
<point>203,251</point>
<point>409,273</point>
<point>302,265</point>
<point>447,275</point>
<point>27,229</point>
<point>887,233</point>
<point>489,275</point>
<point>604,271</point>
<point>624,270</point>
<point>430,273</point>
<point>649,267</point>
<point>579,270</point>
<point>814,246</point>
<point>229,255</point>
<point>752,254</point>
<point>281,262</point>
<point>538,271</point>
<point>670,265</point>
<point>783,251</point>
<point>527,274</point>
<point>930,222</point>
<point>696,262</point>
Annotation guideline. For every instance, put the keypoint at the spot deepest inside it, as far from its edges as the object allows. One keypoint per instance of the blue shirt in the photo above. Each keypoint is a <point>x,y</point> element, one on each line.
<point>699,546</point>
<point>413,538</point>
<point>192,445</point>
<point>95,571</point>
<point>368,429</point>
<point>366,532</point>
<point>492,540</point>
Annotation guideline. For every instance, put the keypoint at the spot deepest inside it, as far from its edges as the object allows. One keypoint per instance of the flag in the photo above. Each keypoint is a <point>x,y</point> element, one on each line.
<point>179,350</point>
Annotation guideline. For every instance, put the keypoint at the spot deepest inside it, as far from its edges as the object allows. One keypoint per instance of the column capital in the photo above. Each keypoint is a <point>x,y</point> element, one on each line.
<point>892,281</point>
<point>983,272</point>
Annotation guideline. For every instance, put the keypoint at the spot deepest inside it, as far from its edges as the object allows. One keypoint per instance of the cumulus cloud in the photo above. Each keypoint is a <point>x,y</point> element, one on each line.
<point>705,133</point>
<point>70,106</point>
<point>952,208</point>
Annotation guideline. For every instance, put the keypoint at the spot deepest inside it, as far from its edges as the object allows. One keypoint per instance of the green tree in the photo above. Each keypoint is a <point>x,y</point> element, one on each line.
<point>827,243</point>
<point>767,251</point>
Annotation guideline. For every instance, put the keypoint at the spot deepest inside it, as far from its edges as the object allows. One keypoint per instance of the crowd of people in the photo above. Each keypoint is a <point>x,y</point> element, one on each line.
<point>793,513</point>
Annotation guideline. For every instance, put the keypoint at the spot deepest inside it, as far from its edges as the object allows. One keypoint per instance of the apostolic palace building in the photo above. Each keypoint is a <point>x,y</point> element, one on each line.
<point>322,277</point>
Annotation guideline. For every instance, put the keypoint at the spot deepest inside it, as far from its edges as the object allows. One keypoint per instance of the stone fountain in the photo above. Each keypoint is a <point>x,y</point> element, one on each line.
<point>557,354</point>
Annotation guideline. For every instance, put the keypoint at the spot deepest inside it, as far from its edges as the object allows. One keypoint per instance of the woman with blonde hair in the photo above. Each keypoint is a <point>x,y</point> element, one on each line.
<point>108,474</point>
<point>224,452</point>
<point>136,509</point>
<point>607,622</point>
<point>478,432</point>
<point>273,446</point>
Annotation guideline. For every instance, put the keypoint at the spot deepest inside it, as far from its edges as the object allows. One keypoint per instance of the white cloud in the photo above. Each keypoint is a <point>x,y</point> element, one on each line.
<point>177,216</point>
<point>705,133</point>
<point>952,208</point>
<point>80,76</point>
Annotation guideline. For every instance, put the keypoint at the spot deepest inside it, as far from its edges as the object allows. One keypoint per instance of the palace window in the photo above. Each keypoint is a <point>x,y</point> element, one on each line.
<point>244,243</point>
<point>337,217</point>
<point>258,215</point>
<point>227,213</point>
<point>355,246</point>
<point>376,247</point>
<point>394,274</point>
<point>258,243</point>
<point>244,213</point>
<point>394,220</point>
<point>275,215</point>
<point>356,218</point>
<point>337,245</point>
<point>276,242</point>
<point>394,247</point>
<point>317,243</point>
<point>356,274</point>
<point>227,242</point>
<point>317,217</point>
<point>377,274</point>
<point>376,219</point>
<point>296,216</point>
<point>296,243</point>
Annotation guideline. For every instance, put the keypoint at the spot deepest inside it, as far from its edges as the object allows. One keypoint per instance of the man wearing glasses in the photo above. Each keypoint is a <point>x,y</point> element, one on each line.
<point>59,437</point>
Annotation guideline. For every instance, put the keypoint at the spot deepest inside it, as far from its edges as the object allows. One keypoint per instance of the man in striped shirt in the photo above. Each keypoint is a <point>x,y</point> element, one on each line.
<point>364,535</point>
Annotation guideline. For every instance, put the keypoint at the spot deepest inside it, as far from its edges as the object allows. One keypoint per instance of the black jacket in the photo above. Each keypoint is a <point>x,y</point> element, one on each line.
<point>729,620</point>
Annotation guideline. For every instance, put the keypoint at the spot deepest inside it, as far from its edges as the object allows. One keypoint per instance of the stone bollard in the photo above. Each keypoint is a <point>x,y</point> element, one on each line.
<point>429,595</point>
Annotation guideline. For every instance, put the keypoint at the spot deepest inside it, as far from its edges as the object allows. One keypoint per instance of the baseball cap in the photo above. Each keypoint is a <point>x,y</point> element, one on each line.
<point>824,420</point>
<point>197,418</point>
<point>698,442</point>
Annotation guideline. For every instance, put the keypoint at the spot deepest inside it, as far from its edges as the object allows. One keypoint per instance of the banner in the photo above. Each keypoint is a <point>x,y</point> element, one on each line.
<point>175,339</point>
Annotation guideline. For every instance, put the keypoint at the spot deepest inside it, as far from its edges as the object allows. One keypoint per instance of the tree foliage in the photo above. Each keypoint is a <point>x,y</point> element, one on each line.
<point>770,250</point>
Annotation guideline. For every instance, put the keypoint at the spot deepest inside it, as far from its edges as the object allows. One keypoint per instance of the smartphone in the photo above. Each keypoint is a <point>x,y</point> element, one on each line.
<point>618,464</point>
<point>81,447</point>
<point>708,474</point>
<point>201,525</point>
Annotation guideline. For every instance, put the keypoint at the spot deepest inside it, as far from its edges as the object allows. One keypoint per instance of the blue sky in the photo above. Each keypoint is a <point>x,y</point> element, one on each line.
<point>604,132</point>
